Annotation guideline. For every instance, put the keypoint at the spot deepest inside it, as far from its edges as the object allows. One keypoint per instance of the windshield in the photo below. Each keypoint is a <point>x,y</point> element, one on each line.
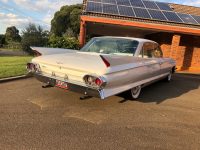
<point>111,46</point>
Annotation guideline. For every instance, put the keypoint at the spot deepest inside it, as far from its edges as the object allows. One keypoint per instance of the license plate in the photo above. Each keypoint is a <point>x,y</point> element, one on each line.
<point>61,84</point>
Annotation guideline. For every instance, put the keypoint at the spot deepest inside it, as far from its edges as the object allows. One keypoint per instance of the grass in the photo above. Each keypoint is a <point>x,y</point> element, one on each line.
<point>12,66</point>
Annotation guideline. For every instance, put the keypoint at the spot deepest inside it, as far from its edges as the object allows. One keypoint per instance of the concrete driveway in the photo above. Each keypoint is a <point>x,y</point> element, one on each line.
<point>166,116</point>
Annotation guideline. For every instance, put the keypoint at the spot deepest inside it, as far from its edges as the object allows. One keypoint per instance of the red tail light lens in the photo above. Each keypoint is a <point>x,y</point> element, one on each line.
<point>98,82</point>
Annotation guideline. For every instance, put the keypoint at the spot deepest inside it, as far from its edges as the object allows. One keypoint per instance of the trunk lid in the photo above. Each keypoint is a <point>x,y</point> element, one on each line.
<point>77,65</point>
<point>74,66</point>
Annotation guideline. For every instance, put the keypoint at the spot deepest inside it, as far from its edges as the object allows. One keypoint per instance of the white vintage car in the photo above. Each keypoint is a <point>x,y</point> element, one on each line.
<point>104,67</point>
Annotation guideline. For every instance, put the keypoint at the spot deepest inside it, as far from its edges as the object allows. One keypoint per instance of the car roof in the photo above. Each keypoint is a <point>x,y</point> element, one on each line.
<point>131,38</point>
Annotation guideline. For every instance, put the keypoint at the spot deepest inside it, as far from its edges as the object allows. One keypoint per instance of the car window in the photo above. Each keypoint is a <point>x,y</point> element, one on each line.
<point>157,51</point>
<point>151,50</point>
<point>148,49</point>
<point>111,46</point>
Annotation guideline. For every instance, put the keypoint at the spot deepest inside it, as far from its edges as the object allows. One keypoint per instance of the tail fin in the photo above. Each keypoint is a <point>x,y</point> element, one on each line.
<point>50,51</point>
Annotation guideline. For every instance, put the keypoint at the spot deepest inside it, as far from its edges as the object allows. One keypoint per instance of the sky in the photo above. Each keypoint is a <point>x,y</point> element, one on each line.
<point>21,12</point>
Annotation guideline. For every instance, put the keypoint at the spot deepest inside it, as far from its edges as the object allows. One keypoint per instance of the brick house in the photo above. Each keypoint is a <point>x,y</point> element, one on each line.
<point>180,41</point>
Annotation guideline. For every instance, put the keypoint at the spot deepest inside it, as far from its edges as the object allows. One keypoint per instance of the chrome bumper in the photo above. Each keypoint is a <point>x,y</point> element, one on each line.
<point>72,87</point>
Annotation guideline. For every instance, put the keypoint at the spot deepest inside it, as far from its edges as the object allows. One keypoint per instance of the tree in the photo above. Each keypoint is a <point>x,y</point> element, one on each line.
<point>67,17</point>
<point>12,34</point>
<point>2,40</point>
<point>75,20</point>
<point>34,35</point>
<point>69,33</point>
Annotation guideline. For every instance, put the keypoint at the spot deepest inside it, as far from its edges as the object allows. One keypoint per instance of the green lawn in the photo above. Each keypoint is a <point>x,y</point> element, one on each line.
<point>13,66</point>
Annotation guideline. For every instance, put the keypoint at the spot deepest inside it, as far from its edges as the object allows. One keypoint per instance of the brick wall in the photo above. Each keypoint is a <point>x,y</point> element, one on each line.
<point>185,50</point>
<point>196,57</point>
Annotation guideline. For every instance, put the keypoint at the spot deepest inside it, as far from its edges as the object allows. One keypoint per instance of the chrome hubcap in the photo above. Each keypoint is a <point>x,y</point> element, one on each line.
<point>169,77</point>
<point>135,90</point>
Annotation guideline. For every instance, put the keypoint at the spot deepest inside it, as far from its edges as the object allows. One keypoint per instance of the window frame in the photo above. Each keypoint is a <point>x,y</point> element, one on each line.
<point>143,48</point>
<point>155,46</point>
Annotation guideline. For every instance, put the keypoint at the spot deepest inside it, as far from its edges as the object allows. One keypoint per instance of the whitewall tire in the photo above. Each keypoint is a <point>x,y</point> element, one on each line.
<point>135,92</point>
<point>169,77</point>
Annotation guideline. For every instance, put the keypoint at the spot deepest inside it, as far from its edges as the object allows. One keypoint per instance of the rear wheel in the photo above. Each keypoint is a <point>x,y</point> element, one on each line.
<point>135,92</point>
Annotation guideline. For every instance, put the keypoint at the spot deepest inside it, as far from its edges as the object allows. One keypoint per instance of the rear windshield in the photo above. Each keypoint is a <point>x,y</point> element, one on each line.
<point>111,46</point>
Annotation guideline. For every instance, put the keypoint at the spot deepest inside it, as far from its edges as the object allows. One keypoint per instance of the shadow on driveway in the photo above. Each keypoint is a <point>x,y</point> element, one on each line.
<point>161,91</point>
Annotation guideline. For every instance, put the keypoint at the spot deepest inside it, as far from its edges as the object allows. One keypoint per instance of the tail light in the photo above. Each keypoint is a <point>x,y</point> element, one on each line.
<point>94,81</point>
<point>98,82</point>
<point>31,67</point>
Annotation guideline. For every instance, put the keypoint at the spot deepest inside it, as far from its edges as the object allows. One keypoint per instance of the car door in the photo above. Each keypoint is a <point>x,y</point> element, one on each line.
<point>152,63</point>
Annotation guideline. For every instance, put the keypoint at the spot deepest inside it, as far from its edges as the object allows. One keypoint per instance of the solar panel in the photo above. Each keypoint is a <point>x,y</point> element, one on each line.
<point>110,9</point>
<point>94,7</point>
<point>197,18</point>
<point>140,9</point>
<point>141,13</point>
<point>156,14</point>
<point>109,1</point>
<point>187,18</point>
<point>150,4</point>
<point>137,3</point>
<point>163,6</point>
<point>126,11</point>
<point>171,16</point>
<point>123,2</point>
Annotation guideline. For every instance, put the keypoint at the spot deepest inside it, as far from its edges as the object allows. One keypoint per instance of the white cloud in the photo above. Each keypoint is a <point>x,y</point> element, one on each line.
<point>13,20</point>
<point>2,14</point>
<point>45,7</point>
<point>10,15</point>
<point>4,1</point>
<point>184,2</point>
<point>192,2</point>
<point>48,17</point>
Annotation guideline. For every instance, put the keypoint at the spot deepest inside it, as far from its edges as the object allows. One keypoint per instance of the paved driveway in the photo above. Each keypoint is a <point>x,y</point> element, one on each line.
<point>167,116</point>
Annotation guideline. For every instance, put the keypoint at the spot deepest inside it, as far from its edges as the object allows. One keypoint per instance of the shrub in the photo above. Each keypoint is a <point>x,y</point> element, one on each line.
<point>63,42</point>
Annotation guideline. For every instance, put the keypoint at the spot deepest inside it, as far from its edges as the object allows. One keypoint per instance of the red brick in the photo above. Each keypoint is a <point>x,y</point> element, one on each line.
<point>185,49</point>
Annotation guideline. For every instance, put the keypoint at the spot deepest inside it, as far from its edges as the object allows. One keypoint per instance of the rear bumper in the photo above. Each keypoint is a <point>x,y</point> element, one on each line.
<point>72,87</point>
